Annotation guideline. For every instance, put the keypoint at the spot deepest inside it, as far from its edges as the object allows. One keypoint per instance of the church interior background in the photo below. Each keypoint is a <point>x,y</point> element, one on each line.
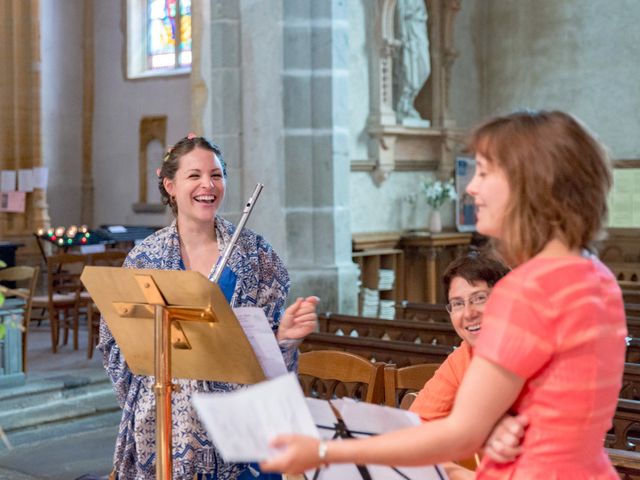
<point>339,108</point>
<point>300,95</point>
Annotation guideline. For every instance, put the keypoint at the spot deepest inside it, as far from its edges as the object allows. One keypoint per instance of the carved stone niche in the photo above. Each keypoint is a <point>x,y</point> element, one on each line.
<point>393,146</point>
<point>153,141</point>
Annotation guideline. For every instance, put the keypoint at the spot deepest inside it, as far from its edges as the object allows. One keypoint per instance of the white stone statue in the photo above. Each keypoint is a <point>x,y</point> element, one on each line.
<point>414,67</point>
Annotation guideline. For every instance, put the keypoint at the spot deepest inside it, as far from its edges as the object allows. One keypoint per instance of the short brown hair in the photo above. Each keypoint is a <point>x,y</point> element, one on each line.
<point>559,176</point>
<point>474,266</point>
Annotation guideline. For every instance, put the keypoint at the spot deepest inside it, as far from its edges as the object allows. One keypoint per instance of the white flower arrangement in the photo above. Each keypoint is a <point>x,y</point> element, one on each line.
<point>438,193</point>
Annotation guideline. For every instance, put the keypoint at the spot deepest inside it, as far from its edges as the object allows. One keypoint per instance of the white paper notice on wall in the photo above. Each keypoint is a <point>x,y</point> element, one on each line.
<point>7,180</point>
<point>12,202</point>
<point>25,176</point>
<point>40,177</point>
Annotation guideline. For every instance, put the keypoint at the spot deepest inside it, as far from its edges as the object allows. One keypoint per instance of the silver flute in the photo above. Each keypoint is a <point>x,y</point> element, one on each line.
<point>245,216</point>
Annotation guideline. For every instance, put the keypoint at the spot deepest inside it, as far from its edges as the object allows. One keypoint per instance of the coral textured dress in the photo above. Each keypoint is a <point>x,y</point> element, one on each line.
<point>559,323</point>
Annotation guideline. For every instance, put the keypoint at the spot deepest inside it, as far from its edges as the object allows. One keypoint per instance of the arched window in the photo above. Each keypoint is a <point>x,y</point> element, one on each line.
<point>158,37</point>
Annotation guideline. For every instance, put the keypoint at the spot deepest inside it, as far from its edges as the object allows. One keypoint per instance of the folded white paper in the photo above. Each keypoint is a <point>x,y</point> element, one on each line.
<point>40,177</point>
<point>258,331</point>
<point>7,181</point>
<point>25,181</point>
<point>365,419</point>
<point>242,423</point>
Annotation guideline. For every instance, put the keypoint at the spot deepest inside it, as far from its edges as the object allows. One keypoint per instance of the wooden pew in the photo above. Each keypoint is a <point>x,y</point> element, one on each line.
<point>376,350</point>
<point>632,309</point>
<point>627,464</point>
<point>633,326</point>
<point>633,350</point>
<point>429,312</point>
<point>436,313</point>
<point>625,434</point>
<point>630,292</point>
<point>625,272</point>
<point>630,382</point>
<point>403,330</point>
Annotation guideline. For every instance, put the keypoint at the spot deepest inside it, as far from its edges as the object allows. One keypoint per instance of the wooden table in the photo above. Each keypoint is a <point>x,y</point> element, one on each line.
<point>419,268</point>
<point>426,257</point>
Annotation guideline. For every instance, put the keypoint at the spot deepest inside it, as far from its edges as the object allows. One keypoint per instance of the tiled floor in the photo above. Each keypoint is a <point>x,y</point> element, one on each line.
<point>84,454</point>
<point>41,361</point>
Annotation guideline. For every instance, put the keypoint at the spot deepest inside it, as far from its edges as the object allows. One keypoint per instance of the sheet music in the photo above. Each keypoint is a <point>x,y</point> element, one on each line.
<point>242,423</point>
<point>376,419</point>
<point>365,417</point>
<point>258,331</point>
<point>326,421</point>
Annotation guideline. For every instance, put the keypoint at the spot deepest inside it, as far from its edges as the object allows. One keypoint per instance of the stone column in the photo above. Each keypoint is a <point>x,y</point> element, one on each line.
<point>216,87</point>
<point>316,121</point>
<point>273,79</point>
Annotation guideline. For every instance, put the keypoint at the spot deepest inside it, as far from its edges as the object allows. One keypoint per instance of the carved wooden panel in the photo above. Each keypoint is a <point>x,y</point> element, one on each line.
<point>152,129</point>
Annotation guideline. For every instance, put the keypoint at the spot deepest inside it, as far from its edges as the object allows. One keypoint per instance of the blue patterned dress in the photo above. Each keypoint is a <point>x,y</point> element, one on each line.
<point>261,281</point>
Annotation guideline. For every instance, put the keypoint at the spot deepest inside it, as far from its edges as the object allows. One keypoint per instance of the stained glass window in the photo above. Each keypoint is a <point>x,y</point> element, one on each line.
<point>168,34</point>
<point>158,37</point>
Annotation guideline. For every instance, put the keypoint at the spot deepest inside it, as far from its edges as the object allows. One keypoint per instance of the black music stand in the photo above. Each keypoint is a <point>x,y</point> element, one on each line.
<point>337,428</point>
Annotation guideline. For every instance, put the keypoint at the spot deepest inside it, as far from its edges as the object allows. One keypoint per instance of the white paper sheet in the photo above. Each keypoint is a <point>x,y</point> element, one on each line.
<point>97,248</point>
<point>366,417</point>
<point>257,329</point>
<point>25,183</point>
<point>326,420</point>
<point>7,181</point>
<point>241,424</point>
<point>40,177</point>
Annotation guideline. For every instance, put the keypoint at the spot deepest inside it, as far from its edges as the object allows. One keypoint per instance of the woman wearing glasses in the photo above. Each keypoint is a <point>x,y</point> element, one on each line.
<point>468,281</point>
<point>553,334</point>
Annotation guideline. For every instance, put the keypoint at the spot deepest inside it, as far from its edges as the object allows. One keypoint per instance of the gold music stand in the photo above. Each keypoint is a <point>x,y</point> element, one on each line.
<point>172,324</point>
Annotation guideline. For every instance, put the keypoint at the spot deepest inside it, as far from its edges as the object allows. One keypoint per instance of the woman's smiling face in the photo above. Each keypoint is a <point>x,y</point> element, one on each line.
<point>198,186</point>
<point>491,192</point>
<point>467,300</point>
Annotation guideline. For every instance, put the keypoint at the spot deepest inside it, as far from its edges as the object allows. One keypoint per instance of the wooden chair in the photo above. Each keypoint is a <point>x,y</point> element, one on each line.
<point>401,387</point>
<point>109,258</point>
<point>398,382</point>
<point>29,277</point>
<point>328,374</point>
<point>63,296</point>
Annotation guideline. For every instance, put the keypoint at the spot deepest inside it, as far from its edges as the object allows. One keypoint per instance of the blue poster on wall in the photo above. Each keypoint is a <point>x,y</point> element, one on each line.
<point>465,210</point>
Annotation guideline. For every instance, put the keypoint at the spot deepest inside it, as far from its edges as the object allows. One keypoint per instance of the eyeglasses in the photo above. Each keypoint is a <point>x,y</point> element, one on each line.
<point>476,299</point>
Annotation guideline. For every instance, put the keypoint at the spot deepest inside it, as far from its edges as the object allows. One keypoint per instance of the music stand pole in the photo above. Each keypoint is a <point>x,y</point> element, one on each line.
<point>162,390</point>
